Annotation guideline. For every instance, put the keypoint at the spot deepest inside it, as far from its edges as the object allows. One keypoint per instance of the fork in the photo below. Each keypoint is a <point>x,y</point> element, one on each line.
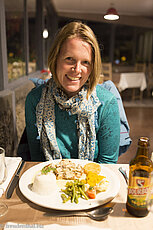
<point>123,171</point>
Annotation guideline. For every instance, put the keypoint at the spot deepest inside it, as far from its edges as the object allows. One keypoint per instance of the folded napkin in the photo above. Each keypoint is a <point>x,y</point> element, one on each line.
<point>11,163</point>
<point>16,226</point>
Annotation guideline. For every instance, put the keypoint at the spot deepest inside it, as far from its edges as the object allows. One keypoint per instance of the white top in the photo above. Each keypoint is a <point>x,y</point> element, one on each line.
<point>132,80</point>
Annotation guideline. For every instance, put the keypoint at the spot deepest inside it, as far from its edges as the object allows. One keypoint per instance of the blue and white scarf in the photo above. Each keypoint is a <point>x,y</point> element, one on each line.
<point>78,104</point>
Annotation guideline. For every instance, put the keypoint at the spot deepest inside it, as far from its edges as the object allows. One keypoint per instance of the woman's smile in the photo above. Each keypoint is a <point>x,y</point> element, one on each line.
<point>73,78</point>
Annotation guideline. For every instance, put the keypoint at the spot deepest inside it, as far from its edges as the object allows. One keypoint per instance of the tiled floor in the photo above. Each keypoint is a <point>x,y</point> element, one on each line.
<point>137,103</point>
<point>140,118</point>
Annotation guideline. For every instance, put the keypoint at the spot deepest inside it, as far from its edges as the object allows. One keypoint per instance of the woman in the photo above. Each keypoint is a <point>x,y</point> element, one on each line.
<point>71,116</point>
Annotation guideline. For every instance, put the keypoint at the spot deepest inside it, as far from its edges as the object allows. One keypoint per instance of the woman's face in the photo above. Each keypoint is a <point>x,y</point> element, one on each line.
<point>74,65</point>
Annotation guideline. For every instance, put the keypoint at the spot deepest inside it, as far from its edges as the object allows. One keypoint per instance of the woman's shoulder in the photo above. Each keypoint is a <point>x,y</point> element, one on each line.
<point>35,94</point>
<point>104,94</point>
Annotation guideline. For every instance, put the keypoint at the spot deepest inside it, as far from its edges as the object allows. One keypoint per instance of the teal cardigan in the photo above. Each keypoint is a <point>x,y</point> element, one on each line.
<point>107,125</point>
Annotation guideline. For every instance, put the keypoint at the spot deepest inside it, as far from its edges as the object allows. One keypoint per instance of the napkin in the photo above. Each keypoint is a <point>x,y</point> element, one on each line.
<point>11,163</point>
<point>15,226</point>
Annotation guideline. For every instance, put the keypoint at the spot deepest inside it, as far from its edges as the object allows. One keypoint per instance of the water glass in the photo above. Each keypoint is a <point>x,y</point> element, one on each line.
<point>3,176</point>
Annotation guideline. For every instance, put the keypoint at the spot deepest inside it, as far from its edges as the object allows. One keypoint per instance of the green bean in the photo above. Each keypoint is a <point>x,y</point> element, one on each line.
<point>73,194</point>
<point>64,198</point>
<point>83,187</point>
<point>76,200</point>
<point>74,190</point>
<point>83,193</point>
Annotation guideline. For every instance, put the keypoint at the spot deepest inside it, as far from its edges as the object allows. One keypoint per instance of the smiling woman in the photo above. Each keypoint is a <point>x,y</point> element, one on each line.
<point>88,44</point>
<point>71,116</point>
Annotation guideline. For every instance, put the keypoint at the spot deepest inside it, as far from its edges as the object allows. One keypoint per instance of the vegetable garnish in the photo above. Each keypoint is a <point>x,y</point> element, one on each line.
<point>74,191</point>
<point>91,192</point>
<point>47,169</point>
<point>93,178</point>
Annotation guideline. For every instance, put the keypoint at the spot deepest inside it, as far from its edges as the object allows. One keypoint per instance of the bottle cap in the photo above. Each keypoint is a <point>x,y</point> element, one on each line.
<point>144,141</point>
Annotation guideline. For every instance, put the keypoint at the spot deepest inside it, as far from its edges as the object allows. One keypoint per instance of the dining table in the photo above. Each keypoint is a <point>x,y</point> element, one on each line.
<point>22,211</point>
<point>132,80</point>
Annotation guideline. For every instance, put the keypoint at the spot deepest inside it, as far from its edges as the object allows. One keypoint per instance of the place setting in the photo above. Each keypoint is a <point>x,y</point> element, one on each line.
<point>8,166</point>
<point>53,211</point>
<point>61,187</point>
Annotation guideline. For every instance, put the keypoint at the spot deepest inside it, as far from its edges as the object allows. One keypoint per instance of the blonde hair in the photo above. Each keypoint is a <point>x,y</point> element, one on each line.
<point>84,32</point>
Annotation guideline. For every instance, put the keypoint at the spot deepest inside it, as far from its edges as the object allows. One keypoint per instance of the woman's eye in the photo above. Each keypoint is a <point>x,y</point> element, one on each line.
<point>86,62</point>
<point>69,58</point>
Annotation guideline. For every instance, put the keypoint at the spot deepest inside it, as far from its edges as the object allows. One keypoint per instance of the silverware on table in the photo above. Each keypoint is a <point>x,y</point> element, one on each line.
<point>123,171</point>
<point>14,181</point>
<point>97,214</point>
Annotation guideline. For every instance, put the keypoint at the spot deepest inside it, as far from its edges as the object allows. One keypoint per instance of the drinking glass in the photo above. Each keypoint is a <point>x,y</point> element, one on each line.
<point>3,176</point>
<point>150,195</point>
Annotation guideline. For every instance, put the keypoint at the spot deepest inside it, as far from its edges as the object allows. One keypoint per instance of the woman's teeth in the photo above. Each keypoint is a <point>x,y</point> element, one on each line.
<point>73,78</point>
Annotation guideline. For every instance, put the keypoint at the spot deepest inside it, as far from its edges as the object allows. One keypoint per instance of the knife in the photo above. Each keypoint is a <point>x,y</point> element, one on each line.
<point>14,181</point>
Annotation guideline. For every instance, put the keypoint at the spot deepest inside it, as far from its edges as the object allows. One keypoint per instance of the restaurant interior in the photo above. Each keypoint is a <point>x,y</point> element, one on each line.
<point>28,198</point>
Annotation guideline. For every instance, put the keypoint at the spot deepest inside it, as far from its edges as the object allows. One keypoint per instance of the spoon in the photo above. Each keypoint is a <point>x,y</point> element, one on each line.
<point>97,214</point>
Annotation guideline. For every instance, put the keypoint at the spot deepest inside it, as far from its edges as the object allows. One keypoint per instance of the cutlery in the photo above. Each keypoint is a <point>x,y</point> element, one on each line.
<point>14,181</point>
<point>97,214</point>
<point>123,171</point>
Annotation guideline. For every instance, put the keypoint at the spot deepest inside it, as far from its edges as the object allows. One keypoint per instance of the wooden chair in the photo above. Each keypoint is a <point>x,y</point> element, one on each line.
<point>140,67</point>
<point>23,147</point>
<point>150,79</point>
<point>106,72</point>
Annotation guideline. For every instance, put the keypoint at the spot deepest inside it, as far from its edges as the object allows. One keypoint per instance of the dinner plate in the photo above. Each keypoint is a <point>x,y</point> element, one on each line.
<point>54,200</point>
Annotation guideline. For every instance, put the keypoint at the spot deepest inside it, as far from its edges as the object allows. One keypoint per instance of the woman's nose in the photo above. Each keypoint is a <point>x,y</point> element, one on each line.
<point>77,68</point>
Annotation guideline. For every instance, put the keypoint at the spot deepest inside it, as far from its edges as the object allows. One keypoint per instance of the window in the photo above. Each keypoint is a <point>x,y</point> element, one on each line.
<point>32,35</point>
<point>144,46</point>
<point>15,38</point>
<point>124,45</point>
<point>102,32</point>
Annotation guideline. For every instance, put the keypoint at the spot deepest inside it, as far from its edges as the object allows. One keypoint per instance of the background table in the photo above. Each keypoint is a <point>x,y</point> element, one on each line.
<point>132,80</point>
<point>22,211</point>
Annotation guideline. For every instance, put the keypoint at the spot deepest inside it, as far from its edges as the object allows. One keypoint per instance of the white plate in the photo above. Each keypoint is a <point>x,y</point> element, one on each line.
<point>55,201</point>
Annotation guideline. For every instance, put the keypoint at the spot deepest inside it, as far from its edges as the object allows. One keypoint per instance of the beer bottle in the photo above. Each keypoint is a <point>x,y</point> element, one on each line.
<point>140,169</point>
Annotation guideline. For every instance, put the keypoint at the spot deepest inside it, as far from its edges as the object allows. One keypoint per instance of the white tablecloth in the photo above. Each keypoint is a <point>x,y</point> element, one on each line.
<point>132,80</point>
<point>11,163</point>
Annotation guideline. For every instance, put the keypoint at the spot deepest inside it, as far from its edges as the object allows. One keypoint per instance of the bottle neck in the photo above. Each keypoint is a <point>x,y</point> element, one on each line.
<point>142,151</point>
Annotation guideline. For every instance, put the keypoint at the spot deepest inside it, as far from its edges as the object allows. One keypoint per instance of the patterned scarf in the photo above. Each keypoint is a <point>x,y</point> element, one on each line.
<point>78,104</point>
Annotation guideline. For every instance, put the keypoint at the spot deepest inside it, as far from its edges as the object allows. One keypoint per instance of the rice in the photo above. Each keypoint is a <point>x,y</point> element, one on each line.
<point>44,184</point>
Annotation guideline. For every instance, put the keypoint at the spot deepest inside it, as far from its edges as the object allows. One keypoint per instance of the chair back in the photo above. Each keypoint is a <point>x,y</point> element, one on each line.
<point>106,72</point>
<point>150,70</point>
<point>23,147</point>
<point>150,78</point>
<point>140,67</point>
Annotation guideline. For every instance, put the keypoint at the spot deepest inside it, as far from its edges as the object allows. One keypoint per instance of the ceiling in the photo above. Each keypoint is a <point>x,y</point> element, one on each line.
<point>124,7</point>
<point>132,12</point>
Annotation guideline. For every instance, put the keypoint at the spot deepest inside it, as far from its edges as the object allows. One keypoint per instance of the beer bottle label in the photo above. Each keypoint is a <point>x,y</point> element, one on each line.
<point>137,191</point>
